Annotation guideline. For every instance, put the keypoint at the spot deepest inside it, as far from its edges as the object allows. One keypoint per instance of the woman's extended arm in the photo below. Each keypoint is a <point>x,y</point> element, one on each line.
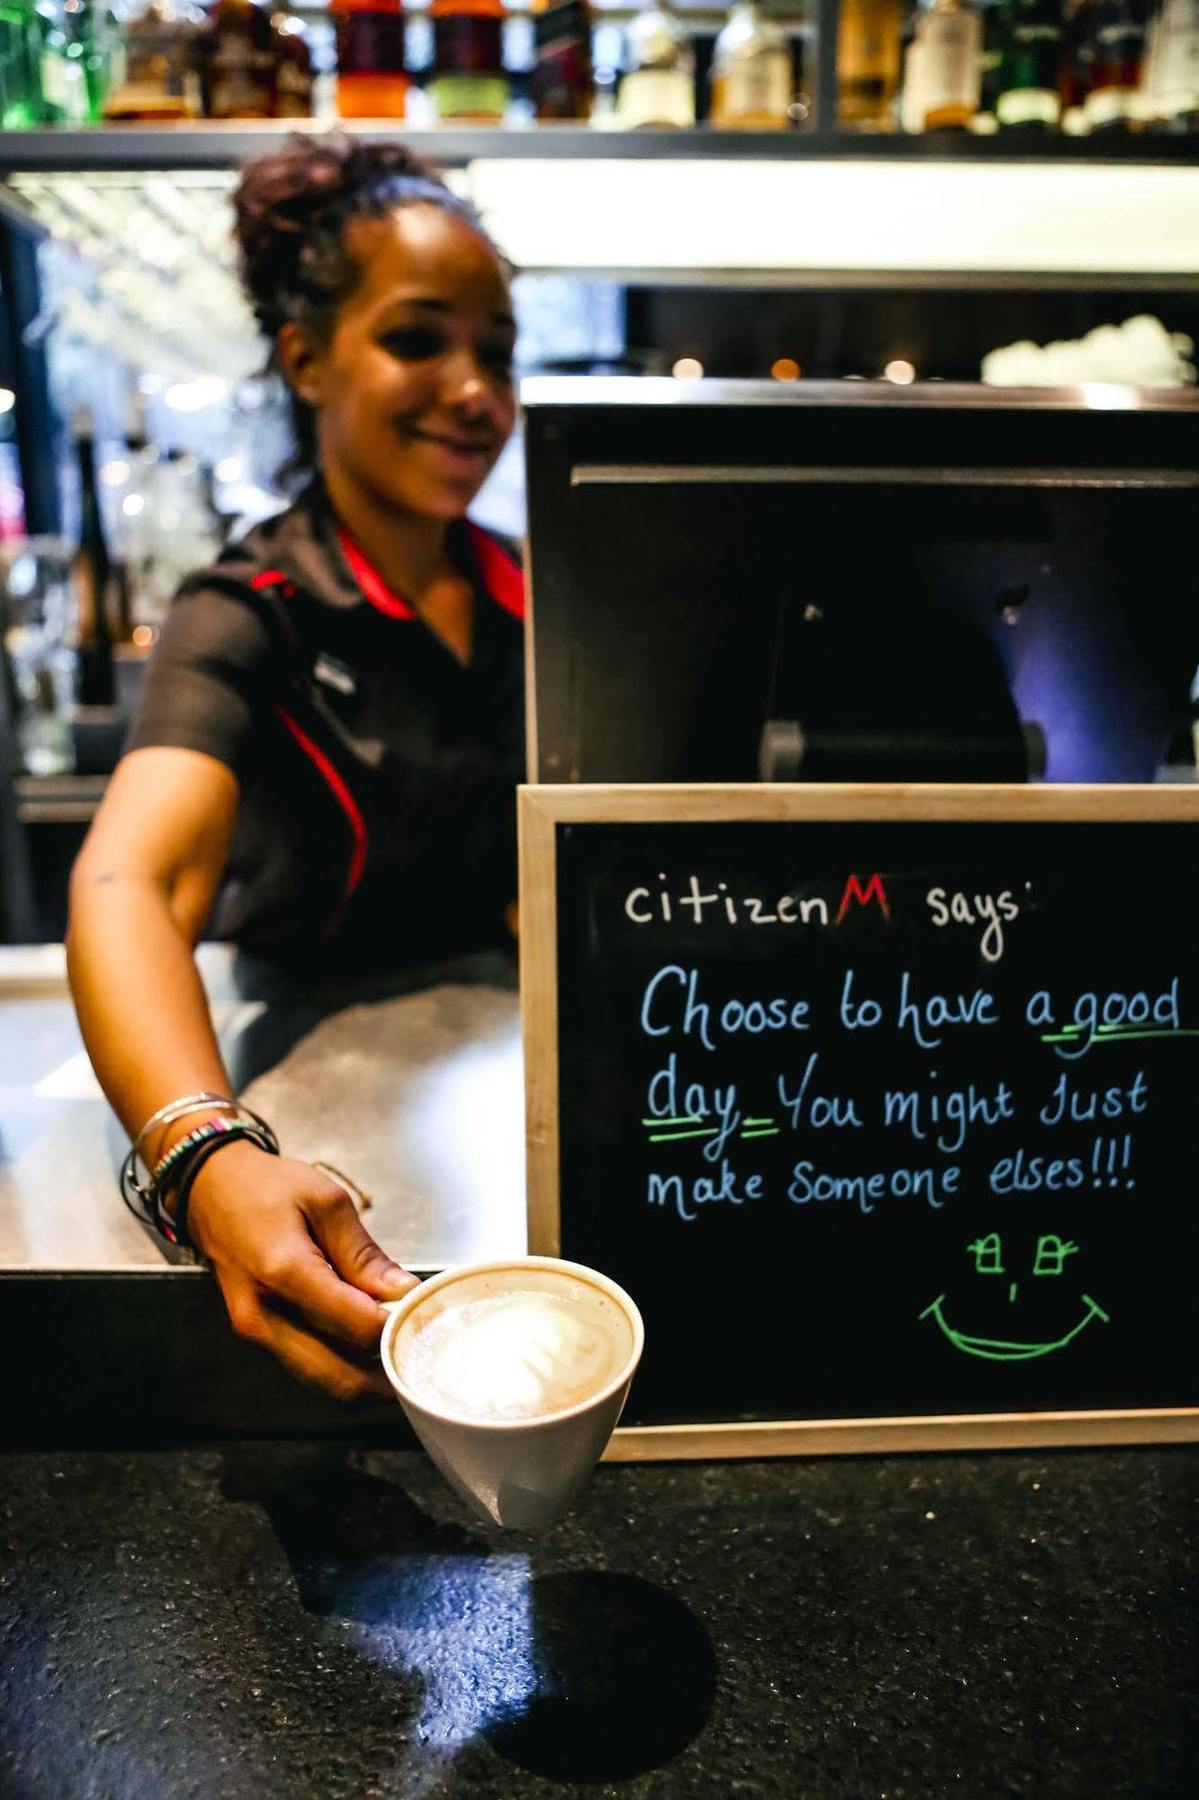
<point>141,891</point>
<point>298,1271</point>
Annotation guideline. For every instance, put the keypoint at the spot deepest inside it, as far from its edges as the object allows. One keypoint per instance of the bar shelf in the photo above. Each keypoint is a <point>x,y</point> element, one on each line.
<point>214,145</point>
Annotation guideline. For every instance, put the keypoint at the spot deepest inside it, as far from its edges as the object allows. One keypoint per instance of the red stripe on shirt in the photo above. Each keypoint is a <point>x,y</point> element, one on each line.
<point>349,807</point>
<point>502,577</point>
<point>373,586</point>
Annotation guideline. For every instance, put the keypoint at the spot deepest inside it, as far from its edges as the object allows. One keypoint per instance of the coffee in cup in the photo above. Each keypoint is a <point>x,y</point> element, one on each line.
<point>512,1344</point>
<point>513,1375</point>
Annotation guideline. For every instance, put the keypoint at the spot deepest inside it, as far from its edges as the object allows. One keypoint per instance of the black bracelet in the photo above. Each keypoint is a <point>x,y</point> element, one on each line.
<point>144,1197</point>
<point>185,1177</point>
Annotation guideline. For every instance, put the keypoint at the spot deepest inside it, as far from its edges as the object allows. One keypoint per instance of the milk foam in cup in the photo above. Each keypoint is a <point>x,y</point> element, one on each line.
<point>513,1375</point>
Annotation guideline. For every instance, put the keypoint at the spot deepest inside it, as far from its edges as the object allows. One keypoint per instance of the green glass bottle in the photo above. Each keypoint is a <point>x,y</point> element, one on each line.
<point>77,43</point>
<point>1030,67</point>
<point>995,26</point>
<point>20,88</point>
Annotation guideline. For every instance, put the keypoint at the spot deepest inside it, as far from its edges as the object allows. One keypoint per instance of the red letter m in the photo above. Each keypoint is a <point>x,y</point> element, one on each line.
<point>874,890</point>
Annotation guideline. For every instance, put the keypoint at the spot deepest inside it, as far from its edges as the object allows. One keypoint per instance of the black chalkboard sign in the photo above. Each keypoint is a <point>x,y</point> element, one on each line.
<point>881,1102</point>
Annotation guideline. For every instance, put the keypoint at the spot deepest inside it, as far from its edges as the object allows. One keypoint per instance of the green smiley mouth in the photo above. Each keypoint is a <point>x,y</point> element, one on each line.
<point>999,1349</point>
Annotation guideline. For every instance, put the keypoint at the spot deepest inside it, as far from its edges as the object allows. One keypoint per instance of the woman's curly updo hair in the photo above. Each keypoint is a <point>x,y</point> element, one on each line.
<point>292,210</point>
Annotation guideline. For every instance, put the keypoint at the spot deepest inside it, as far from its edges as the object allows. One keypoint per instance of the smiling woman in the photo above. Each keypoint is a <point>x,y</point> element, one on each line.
<point>324,763</point>
<point>431,301</point>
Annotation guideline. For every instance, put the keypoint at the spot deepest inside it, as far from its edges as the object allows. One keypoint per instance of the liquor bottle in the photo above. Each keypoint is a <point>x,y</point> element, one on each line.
<point>238,62</point>
<point>294,76</point>
<point>179,533</point>
<point>63,97</point>
<point>20,82</point>
<point>1074,68</point>
<point>911,105</point>
<point>658,86</point>
<point>1170,86</point>
<point>78,38</point>
<point>101,49</point>
<point>751,72</point>
<point>371,79</point>
<point>1117,64</point>
<point>92,573</point>
<point>941,76</point>
<point>995,22</point>
<point>468,79</point>
<point>563,87</point>
<point>1029,96</point>
<point>869,39</point>
<point>160,78</point>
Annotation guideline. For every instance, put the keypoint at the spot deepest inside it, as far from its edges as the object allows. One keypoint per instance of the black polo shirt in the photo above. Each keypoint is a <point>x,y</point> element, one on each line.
<point>377,773</point>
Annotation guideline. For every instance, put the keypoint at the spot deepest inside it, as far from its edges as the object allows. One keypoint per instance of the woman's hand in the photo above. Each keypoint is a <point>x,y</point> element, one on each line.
<point>298,1271</point>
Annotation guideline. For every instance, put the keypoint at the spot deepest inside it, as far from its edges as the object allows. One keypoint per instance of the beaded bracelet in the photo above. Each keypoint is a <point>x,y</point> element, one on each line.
<point>144,1197</point>
<point>143,1191</point>
<point>199,1136</point>
<point>169,1224</point>
<point>178,1109</point>
<point>202,1153</point>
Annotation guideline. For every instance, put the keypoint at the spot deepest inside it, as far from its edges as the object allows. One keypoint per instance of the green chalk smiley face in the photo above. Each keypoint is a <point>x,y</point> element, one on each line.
<point>1050,1260</point>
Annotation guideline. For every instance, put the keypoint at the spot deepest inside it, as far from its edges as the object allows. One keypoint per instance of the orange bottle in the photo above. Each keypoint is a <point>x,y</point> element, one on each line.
<point>371,83</point>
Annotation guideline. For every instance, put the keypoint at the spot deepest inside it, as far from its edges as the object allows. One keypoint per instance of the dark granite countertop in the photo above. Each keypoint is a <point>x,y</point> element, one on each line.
<point>317,1620</point>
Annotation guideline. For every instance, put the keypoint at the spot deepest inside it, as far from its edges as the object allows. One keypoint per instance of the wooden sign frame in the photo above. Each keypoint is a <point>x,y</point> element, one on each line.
<point>541,810</point>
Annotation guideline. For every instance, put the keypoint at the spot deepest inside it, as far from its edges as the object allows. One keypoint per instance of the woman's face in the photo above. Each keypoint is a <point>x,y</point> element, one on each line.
<point>413,392</point>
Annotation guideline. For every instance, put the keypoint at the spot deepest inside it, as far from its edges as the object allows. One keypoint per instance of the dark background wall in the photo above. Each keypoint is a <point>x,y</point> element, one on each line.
<point>831,331</point>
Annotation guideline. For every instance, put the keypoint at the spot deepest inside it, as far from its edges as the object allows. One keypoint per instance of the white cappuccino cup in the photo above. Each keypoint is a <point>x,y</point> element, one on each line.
<point>513,1375</point>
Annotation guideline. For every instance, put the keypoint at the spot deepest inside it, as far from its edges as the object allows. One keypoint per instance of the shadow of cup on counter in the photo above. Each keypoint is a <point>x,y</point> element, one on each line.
<point>513,1374</point>
<point>625,1678</point>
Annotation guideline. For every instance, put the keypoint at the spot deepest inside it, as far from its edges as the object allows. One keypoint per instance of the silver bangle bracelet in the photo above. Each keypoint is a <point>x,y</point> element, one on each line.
<point>168,1115</point>
<point>142,1196</point>
<point>178,1109</point>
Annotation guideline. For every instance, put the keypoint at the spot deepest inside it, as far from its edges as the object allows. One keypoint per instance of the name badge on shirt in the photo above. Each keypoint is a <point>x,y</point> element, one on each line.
<point>335,675</point>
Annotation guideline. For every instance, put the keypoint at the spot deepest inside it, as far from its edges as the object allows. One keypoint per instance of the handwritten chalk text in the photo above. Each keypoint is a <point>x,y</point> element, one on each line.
<point>1096,1018</point>
<point>991,910</point>
<point>664,1010</point>
<point>950,1114</point>
<point>647,906</point>
<point>685,1197</point>
<point>934,1185</point>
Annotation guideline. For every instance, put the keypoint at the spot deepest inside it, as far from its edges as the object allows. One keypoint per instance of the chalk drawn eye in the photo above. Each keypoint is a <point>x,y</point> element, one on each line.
<point>1052,1252</point>
<point>987,1252</point>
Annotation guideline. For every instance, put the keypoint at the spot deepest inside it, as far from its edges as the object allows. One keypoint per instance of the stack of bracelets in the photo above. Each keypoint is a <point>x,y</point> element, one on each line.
<point>147,1188</point>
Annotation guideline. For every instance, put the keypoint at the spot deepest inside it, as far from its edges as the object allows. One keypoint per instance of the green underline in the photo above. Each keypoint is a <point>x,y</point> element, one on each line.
<point>1073,1035</point>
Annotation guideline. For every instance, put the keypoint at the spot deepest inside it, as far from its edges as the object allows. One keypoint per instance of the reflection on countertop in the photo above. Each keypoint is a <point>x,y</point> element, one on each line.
<point>413,1087</point>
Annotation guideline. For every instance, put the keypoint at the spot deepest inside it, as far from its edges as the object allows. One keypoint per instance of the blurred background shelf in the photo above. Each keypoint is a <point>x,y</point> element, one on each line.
<point>212,145</point>
<point>59,799</point>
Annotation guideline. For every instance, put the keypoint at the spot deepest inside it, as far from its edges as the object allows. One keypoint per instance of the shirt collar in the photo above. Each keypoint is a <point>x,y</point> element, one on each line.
<point>371,584</point>
<point>311,548</point>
